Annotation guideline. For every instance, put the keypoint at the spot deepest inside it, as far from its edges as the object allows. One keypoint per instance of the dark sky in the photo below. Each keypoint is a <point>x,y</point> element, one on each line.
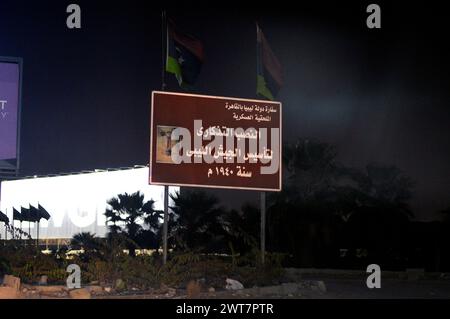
<point>377,95</point>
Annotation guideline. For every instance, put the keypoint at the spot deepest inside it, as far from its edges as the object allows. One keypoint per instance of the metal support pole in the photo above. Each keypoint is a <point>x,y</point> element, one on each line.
<point>164,49</point>
<point>13,229</point>
<point>263,226</point>
<point>37,235</point>
<point>6,228</point>
<point>163,87</point>
<point>166,221</point>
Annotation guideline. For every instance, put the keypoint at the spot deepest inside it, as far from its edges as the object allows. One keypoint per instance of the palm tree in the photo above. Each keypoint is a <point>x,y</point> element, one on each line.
<point>446,215</point>
<point>381,219</point>
<point>127,213</point>
<point>197,221</point>
<point>85,241</point>
<point>311,168</point>
<point>302,217</point>
<point>385,186</point>
<point>243,227</point>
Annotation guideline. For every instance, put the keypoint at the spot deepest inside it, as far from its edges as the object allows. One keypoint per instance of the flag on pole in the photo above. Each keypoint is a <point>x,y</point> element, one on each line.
<point>43,212</point>
<point>4,218</point>
<point>184,56</point>
<point>16,215</point>
<point>35,215</point>
<point>25,213</point>
<point>269,77</point>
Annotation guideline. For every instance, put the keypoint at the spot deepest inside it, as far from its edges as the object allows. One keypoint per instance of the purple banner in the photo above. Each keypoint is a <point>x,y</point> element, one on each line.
<point>9,106</point>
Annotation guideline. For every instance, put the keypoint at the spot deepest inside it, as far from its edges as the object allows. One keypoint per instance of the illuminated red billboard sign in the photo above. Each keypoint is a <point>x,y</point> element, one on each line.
<point>9,112</point>
<point>211,141</point>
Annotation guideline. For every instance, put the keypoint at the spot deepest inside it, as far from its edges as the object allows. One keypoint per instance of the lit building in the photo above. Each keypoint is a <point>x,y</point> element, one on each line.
<point>76,202</point>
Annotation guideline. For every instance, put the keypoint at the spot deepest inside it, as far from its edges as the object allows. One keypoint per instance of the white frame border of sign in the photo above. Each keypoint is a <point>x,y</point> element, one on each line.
<point>19,62</point>
<point>217,186</point>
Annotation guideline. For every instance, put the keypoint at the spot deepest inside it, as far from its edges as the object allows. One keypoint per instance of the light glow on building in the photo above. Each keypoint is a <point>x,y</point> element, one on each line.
<point>76,202</point>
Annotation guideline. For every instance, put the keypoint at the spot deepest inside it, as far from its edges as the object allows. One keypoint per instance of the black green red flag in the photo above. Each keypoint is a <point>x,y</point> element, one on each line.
<point>269,77</point>
<point>184,56</point>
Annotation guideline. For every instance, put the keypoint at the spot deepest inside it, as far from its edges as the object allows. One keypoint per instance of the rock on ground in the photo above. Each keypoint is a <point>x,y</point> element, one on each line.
<point>8,293</point>
<point>43,280</point>
<point>81,293</point>
<point>95,289</point>
<point>11,288</point>
<point>11,281</point>
<point>232,284</point>
<point>119,284</point>
<point>193,289</point>
<point>50,289</point>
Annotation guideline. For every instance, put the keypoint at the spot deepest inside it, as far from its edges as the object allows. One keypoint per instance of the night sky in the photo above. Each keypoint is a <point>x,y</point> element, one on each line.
<point>377,95</point>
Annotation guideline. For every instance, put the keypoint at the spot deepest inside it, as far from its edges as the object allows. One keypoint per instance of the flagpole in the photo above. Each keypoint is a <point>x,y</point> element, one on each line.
<point>13,227</point>
<point>164,49</point>
<point>263,226</point>
<point>38,223</point>
<point>163,88</point>
<point>6,233</point>
<point>262,195</point>
<point>37,236</point>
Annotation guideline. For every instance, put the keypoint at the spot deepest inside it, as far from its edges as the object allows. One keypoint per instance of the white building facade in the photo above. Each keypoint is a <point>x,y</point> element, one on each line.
<point>76,202</point>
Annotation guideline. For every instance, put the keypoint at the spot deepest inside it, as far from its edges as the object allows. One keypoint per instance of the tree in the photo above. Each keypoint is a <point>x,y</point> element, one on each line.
<point>324,203</point>
<point>446,215</point>
<point>196,222</point>
<point>385,186</point>
<point>126,215</point>
<point>85,241</point>
<point>311,168</point>
<point>303,217</point>
<point>444,240</point>
<point>381,218</point>
<point>243,228</point>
